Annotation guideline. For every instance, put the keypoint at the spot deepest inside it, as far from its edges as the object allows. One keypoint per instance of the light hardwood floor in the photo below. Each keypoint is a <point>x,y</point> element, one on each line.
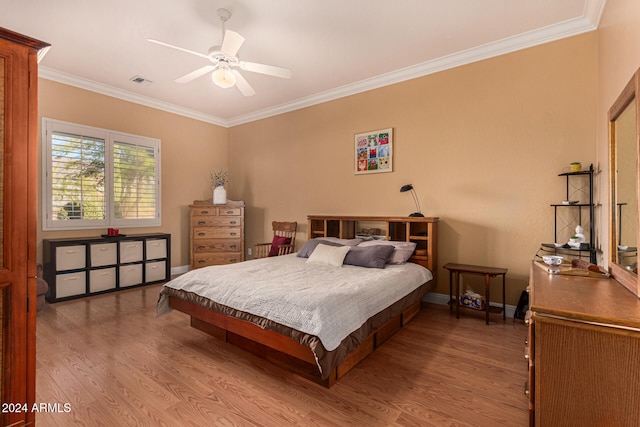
<point>116,364</point>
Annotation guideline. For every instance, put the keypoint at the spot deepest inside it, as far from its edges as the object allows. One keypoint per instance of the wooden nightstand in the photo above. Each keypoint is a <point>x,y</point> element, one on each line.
<point>488,272</point>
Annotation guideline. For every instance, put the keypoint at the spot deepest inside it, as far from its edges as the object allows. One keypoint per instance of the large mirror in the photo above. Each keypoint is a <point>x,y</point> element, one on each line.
<point>623,171</point>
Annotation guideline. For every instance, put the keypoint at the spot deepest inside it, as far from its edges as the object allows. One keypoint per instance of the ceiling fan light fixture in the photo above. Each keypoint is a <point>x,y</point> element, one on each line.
<point>223,77</point>
<point>225,63</point>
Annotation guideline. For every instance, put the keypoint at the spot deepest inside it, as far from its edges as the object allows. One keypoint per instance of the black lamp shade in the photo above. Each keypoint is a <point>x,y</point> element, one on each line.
<point>405,188</point>
<point>409,187</point>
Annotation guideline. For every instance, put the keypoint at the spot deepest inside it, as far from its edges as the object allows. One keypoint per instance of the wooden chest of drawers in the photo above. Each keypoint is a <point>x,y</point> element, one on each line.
<point>217,233</point>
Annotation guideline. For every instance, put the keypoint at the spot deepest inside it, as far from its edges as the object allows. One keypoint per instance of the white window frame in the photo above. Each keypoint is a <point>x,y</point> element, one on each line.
<point>109,137</point>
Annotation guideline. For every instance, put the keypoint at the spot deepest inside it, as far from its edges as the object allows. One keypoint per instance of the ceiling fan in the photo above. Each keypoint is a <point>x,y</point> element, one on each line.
<point>225,62</point>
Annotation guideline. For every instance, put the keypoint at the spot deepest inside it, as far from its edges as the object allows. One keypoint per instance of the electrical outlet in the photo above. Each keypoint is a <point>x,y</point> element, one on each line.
<point>249,251</point>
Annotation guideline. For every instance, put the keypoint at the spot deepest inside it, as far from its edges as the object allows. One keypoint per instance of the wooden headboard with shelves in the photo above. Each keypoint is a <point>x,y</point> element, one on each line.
<point>423,231</point>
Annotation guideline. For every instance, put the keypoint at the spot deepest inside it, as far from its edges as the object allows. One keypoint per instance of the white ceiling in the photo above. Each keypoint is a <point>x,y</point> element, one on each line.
<point>334,47</point>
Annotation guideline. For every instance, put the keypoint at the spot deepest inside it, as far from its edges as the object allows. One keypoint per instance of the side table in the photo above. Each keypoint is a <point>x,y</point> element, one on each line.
<point>488,272</point>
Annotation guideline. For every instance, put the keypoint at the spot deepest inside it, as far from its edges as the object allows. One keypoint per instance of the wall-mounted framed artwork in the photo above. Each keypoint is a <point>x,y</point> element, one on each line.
<point>374,151</point>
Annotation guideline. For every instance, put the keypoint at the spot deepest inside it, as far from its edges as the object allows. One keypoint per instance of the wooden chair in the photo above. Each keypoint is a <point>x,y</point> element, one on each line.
<point>283,243</point>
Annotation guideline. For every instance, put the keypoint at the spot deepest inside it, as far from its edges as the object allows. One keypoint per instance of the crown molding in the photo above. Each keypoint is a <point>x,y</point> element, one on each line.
<point>593,10</point>
<point>587,22</point>
<point>93,86</point>
<point>537,37</point>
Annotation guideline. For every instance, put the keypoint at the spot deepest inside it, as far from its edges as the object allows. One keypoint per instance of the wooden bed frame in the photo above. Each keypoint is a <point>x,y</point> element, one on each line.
<point>293,356</point>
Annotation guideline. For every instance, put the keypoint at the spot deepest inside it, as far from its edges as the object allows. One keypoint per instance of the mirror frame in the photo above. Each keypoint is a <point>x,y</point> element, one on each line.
<point>629,94</point>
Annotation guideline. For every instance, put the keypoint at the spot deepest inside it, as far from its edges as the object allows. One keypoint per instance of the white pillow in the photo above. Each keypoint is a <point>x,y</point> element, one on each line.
<point>346,242</point>
<point>401,253</point>
<point>328,255</point>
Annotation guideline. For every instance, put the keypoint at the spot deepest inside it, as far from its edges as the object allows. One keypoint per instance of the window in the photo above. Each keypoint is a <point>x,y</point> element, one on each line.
<point>96,178</point>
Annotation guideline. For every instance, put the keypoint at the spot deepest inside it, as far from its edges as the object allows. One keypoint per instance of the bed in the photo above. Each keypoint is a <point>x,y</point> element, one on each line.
<point>307,312</point>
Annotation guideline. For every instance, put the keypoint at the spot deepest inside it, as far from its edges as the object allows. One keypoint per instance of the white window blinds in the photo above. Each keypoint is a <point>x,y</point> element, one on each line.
<point>95,178</point>
<point>77,177</point>
<point>135,181</point>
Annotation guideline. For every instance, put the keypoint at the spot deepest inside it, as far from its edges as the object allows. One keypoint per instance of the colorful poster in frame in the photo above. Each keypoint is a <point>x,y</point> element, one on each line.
<point>374,152</point>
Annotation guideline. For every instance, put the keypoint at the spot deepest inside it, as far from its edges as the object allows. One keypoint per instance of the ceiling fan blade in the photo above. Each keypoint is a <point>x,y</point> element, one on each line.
<point>270,70</point>
<point>195,74</point>
<point>231,43</point>
<point>178,48</point>
<point>243,86</point>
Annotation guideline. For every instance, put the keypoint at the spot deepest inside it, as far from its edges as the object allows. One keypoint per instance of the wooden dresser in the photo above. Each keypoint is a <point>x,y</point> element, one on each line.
<point>217,233</point>
<point>583,351</point>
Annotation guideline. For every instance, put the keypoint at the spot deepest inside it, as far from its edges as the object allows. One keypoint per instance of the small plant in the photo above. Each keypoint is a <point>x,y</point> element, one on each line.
<point>219,177</point>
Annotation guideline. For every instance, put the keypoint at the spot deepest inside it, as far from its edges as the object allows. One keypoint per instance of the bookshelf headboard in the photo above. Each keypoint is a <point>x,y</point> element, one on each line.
<point>423,231</point>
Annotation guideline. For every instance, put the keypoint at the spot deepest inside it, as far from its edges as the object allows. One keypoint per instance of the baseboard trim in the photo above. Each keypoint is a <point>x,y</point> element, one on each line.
<point>181,269</point>
<point>443,299</point>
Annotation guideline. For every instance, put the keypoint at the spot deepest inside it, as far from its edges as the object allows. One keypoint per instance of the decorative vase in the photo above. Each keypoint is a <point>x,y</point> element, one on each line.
<point>219,195</point>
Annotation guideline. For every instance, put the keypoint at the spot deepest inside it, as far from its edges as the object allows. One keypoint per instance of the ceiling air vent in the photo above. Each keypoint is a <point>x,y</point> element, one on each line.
<point>140,80</point>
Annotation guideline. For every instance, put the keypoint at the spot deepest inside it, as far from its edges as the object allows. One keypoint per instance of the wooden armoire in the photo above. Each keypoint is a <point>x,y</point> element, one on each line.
<point>18,187</point>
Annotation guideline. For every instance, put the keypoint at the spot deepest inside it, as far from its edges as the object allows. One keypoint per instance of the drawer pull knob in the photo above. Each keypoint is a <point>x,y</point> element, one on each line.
<point>229,212</point>
<point>233,234</point>
<point>202,247</point>
<point>205,212</point>
<point>233,246</point>
<point>70,251</point>
<point>68,279</point>
<point>233,260</point>
<point>201,262</point>
<point>201,222</point>
<point>526,388</point>
<point>201,234</point>
<point>233,222</point>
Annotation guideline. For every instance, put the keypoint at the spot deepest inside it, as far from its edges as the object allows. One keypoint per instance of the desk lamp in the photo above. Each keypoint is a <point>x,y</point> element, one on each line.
<point>409,187</point>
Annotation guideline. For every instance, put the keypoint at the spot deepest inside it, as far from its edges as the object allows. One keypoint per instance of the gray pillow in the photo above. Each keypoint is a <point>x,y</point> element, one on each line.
<point>402,252</point>
<point>370,257</point>
<point>345,242</point>
<point>307,249</point>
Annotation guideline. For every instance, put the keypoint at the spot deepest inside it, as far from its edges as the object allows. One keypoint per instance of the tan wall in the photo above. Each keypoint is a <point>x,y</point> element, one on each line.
<point>483,145</point>
<point>618,59</point>
<point>189,150</point>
